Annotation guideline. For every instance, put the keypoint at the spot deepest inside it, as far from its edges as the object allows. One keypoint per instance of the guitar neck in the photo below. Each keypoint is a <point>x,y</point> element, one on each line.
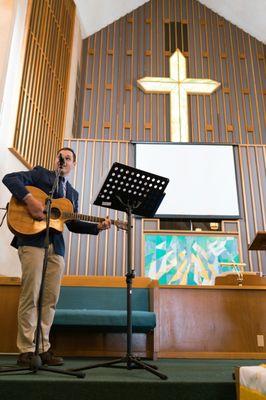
<point>83,217</point>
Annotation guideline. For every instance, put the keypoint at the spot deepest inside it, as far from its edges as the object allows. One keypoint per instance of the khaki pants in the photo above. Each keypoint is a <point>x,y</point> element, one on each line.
<point>31,259</point>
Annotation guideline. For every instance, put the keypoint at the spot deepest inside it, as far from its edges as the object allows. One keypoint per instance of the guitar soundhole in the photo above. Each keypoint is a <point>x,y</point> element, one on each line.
<point>55,213</point>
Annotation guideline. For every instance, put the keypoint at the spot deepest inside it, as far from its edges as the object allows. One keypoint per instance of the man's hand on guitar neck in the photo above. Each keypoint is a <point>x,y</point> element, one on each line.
<point>104,224</point>
<point>34,206</point>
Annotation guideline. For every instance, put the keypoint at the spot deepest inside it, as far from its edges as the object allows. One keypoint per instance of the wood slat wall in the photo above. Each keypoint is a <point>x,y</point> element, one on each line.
<point>105,254</point>
<point>252,168</point>
<point>43,96</point>
<point>113,109</point>
<point>134,46</point>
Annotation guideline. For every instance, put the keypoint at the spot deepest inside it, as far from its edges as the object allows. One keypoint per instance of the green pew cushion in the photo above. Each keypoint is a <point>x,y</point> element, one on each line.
<point>106,320</point>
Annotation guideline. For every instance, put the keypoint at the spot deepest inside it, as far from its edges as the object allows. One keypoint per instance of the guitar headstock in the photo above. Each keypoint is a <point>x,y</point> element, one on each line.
<point>120,225</point>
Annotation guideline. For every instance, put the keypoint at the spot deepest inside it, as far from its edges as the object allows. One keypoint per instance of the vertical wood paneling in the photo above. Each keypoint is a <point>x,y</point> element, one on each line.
<point>134,47</point>
<point>104,254</point>
<point>253,177</point>
<point>40,120</point>
<point>115,110</point>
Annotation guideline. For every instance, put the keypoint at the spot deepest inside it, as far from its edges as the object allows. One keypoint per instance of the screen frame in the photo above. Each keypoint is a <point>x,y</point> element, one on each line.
<point>199,216</point>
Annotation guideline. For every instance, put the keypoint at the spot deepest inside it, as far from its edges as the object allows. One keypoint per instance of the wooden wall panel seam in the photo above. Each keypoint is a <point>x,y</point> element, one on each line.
<point>235,86</point>
<point>88,245</point>
<point>255,90</point>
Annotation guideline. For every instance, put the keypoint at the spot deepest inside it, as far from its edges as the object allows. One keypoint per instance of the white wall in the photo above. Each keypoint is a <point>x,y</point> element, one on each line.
<point>9,264</point>
<point>7,19</point>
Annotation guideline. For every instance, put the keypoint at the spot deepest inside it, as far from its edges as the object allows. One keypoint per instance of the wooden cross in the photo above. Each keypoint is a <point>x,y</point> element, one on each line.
<point>178,86</point>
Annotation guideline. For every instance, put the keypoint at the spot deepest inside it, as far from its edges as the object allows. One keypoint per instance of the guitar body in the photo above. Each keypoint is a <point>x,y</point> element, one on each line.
<point>21,223</point>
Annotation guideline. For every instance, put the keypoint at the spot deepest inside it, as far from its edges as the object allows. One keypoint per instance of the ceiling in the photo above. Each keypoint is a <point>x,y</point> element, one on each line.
<point>96,14</point>
<point>249,15</point>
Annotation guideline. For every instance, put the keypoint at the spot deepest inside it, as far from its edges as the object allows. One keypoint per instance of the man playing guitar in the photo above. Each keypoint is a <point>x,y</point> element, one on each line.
<point>31,252</point>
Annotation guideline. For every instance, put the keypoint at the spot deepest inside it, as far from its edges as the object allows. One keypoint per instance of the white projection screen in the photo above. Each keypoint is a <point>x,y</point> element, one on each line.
<point>202,178</point>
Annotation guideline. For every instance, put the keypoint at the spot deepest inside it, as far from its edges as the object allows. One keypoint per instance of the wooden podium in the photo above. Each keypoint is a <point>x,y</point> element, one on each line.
<point>259,242</point>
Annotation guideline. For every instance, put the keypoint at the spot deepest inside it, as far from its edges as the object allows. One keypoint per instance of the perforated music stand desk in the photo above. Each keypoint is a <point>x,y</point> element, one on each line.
<point>259,242</point>
<point>127,186</point>
<point>136,192</point>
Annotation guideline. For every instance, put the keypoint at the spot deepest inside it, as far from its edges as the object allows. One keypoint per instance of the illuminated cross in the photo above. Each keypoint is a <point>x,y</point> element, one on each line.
<point>178,86</point>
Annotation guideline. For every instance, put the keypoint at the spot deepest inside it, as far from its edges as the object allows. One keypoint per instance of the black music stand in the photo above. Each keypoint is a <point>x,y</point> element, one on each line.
<point>259,241</point>
<point>36,362</point>
<point>135,192</point>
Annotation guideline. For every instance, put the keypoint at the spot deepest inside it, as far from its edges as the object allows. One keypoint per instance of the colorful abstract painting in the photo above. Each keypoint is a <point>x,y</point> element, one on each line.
<point>188,259</point>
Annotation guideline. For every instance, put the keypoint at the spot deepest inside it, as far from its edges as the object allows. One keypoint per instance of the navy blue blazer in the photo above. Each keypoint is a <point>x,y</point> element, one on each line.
<point>43,179</point>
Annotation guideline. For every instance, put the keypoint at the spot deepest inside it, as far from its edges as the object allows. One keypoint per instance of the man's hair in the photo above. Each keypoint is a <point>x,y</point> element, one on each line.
<point>69,149</point>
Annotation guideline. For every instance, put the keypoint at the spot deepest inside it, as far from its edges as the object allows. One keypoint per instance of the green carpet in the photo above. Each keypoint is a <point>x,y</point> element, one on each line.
<point>187,380</point>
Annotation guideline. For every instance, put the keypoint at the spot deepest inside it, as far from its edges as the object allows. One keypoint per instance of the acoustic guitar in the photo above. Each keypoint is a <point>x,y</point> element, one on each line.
<point>21,223</point>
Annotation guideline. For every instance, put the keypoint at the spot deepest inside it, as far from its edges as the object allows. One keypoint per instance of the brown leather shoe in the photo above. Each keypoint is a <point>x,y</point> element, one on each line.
<point>24,359</point>
<point>49,359</point>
